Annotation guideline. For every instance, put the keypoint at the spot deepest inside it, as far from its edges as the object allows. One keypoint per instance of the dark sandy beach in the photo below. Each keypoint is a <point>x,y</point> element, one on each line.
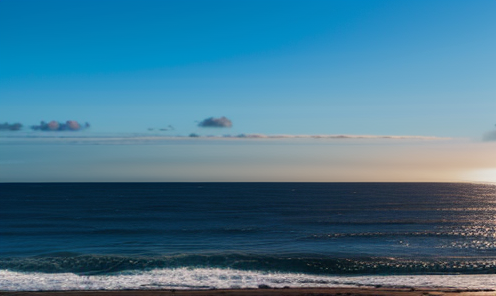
<point>270,292</point>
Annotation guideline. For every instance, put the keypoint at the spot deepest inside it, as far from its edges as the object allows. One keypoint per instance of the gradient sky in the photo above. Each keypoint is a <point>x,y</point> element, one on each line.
<point>402,68</point>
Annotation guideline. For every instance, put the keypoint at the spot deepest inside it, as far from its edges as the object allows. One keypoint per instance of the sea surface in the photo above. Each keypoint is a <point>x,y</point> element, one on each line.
<point>92,236</point>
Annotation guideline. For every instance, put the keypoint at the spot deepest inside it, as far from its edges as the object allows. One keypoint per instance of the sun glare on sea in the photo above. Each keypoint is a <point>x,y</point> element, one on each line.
<point>485,175</point>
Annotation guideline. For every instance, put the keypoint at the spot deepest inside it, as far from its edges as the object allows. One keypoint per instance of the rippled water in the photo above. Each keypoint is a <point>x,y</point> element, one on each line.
<point>103,230</point>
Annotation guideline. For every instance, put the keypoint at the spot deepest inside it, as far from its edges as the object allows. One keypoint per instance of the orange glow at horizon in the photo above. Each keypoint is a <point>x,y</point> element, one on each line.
<point>482,175</point>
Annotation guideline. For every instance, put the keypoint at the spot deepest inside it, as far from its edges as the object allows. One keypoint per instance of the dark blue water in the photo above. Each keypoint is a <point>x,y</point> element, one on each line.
<point>310,228</point>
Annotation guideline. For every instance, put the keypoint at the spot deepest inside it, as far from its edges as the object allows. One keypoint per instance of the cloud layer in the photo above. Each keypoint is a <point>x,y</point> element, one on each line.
<point>263,136</point>
<point>131,139</point>
<point>69,125</point>
<point>216,122</point>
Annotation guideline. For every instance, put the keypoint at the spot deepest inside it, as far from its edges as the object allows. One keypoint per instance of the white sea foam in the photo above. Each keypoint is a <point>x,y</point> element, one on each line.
<point>209,278</point>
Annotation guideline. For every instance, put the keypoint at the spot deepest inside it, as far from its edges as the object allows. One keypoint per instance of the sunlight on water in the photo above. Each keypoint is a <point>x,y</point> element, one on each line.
<point>485,175</point>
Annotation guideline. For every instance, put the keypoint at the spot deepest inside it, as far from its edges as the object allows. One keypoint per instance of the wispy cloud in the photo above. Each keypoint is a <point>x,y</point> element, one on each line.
<point>130,139</point>
<point>216,122</point>
<point>162,129</point>
<point>284,136</point>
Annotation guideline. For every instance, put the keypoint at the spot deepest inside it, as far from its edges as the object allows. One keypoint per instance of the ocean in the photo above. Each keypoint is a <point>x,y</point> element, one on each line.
<point>99,236</point>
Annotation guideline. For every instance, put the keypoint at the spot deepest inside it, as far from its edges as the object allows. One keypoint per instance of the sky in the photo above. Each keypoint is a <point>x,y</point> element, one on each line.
<point>271,90</point>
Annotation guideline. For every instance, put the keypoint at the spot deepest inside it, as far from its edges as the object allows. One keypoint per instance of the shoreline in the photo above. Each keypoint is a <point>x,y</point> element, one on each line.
<point>360,291</point>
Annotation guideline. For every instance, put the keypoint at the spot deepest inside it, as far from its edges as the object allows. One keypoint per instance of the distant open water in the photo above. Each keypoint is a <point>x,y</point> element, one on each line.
<point>70,236</point>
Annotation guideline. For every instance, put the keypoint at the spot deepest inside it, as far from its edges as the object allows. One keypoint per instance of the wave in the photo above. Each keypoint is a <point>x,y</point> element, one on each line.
<point>215,278</point>
<point>109,264</point>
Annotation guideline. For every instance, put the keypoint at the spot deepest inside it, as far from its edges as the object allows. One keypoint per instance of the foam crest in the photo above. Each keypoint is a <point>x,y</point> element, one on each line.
<point>215,278</point>
<point>105,265</point>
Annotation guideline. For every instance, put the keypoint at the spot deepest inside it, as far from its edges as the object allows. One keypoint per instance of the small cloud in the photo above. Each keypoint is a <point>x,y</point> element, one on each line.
<point>10,127</point>
<point>162,129</point>
<point>168,128</point>
<point>216,122</point>
<point>490,136</point>
<point>69,125</point>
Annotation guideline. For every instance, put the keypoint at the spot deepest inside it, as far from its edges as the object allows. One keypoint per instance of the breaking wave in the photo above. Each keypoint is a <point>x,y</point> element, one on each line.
<point>107,264</point>
<point>216,278</point>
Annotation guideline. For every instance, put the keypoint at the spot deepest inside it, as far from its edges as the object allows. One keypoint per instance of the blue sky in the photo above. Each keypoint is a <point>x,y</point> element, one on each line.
<point>311,67</point>
<point>405,68</point>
